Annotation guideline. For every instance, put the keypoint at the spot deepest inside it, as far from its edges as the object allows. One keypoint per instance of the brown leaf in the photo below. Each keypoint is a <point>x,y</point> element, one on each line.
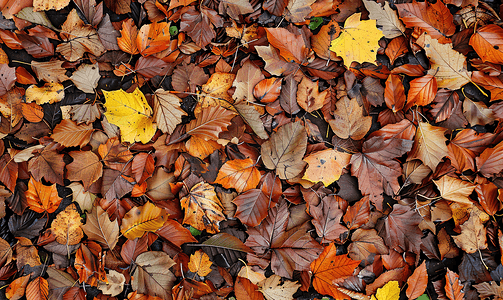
<point>67,226</point>
<point>416,284</point>
<point>349,121</point>
<point>152,275</point>
<point>285,149</point>
<point>99,228</point>
<point>366,242</point>
<point>17,287</point>
<point>429,145</point>
<point>41,198</point>
<point>50,71</point>
<point>167,111</point>
<point>473,232</point>
<point>402,233</point>
<point>308,96</point>
<point>86,167</point>
<point>200,25</point>
<point>247,77</point>
<point>327,218</point>
<point>69,134</point>
<point>291,46</point>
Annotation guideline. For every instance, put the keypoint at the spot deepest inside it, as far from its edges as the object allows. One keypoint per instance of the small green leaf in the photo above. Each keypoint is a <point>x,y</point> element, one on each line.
<point>173,30</point>
<point>423,297</point>
<point>194,231</point>
<point>315,23</point>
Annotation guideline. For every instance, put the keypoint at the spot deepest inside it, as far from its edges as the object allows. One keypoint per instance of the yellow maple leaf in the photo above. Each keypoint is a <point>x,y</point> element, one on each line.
<point>358,40</point>
<point>131,112</point>
<point>390,291</point>
<point>200,263</point>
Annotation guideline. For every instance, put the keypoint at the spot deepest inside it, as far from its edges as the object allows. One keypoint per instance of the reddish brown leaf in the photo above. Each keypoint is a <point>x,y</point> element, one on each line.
<point>416,284</point>
<point>422,91</point>
<point>402,233</point>
<point>394,94</point>
<point>487,43</point>
<point>453,287</point>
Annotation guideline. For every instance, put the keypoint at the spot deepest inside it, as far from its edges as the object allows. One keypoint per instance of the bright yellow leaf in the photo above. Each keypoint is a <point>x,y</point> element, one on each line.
<point>131,112</point>
<point>390,291</point>
<point>358,40</point>
<point>200,263</point>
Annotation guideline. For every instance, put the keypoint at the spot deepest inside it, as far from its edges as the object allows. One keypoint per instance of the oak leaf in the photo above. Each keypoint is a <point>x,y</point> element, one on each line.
<point>326,166</point>
<point>329,269</point>
<point>203,209</point>
<point>41,198</point>
<point>454,189</point>
<point>200,263</point>
<point>99,228</point>
<point>239,174</point>
<point>152,275</point>
<point>131,112</point>
<point>67,226</point>
<point>357,34</point>
<point>349,121</point>
<point>285,149</point>
<point>141,219</point>
<point>272,288</point>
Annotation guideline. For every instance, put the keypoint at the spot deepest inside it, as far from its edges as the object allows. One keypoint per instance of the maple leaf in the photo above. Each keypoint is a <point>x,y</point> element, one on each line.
<point>349,121</point>
<point>203,209</point>
<point>329,269</point>
<point>292,249</point>
<point>131,112</point>
<point>285,149</point>
<point>325,166</point>
<point>357,34</point>
<point>200,263</point>
<point>488,289</point>
<point>99,228</point>
<point>402,233</point>
<point>327,217</point>
<point>386,18</point>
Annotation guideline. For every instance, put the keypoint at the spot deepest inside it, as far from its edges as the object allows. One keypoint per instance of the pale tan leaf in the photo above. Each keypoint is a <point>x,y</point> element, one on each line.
<point>477,113</point>
<point>99,228</point>
<point>454,189</point>
<point>349,121</point>
<point>473,232</point>
<point>272,288</point>
<point>429,145</point>
<point>152,275</point>
<point>115,284</point>
<point>167,111</point>
<point>246,79</point>
<point>385,17</point>
<point>83,198</point>
<point>86,77</point>
<point>252,117</point>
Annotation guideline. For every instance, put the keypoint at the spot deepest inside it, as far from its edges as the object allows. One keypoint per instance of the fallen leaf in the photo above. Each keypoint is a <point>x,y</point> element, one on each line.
<point>153,38</point>
<point>325,166</point>
<point>386,17</point>
<point>131,112</point>
<point>141,219</point>
<point>99,228</point>
<point>41,5</point>
<point>473,232</point>
<point>357,34</point>
<point>366,242</point>
<point>41,198</point>
<point>115,284</point>
<point>86,167</point>
<point>349,121</point>
<point>272,288</point>
<point>246,79</point>
<point>390,291</point>
<point>152,275</point>
<point>429,145</point>
<point>308,96</point>
<point>454,189</point>
<point>453,287</point>
<point>69,134</point>
<point>285,149</point>
<point>38,288</point>
<point>240,174</point>
<point>200,263</point>
<point>15,290</point>
<point>49,93</point>
<point>67,226</point>
<point>486,41</point>
<point>417,282</point>
<point>167,111</point>
<point>86,77</point>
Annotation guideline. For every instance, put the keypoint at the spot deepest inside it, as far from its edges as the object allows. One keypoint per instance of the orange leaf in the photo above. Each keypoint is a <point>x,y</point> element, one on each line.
<point>24,77</point>
<point>487,42</point>
<point>422,91</point>
<point>453,286</point>
<point>153,38</point>
<point>127,41</point>
<point>245,289</point>
<point>329,269</point>
<point>291,47</point>
<point>69,134</point>
<point>66,227</point>
<point>16,288</point>
<point>200,263</point>
<point>267,90</point>
<point>308,96</point>
<point>417,282</point>
<point>38,289</point>
<point>239,174</point>
<point>141,219</point>
<point>325,166</point>
<point>396,48</point>
<point>41,198</point>
<point>32,112</point>
<point>86,167</point>
<point>394,94</point>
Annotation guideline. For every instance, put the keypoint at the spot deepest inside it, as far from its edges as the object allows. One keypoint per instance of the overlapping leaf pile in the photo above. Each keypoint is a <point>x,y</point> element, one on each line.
<point>252,149</point>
